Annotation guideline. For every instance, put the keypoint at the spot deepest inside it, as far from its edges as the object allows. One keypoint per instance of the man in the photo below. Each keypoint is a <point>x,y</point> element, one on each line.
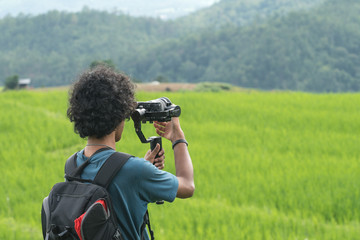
<point>100,102</point>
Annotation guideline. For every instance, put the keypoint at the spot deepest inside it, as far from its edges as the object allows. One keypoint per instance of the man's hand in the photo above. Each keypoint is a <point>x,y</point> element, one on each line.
<point>160,161</point>
<point>170,130</point>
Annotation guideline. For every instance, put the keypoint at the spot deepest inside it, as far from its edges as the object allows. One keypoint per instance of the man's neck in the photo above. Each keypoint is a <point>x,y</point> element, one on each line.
<point>94,144</point>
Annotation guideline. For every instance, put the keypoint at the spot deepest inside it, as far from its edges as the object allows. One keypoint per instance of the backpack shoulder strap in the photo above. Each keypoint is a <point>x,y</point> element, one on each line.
<point>70,165</point>
<point>73,172</point>
<point>110,168</point>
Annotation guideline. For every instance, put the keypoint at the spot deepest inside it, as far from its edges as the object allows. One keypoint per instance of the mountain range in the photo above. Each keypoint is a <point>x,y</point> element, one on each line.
<point>267,44</point>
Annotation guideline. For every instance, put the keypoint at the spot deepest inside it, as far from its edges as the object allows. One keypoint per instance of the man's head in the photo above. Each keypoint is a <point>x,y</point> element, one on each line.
<point>99,101</point>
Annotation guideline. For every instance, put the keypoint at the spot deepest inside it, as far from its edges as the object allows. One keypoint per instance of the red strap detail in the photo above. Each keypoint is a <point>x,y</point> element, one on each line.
<point>103,203</point>
<point>78,221</point>
<point>77,225</point>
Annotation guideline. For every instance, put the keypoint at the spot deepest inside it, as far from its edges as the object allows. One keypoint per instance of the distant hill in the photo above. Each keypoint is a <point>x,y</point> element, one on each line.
<point>242,12</point>
<point>313,50</point>
<point>293,46</point>
<point>52,48</point>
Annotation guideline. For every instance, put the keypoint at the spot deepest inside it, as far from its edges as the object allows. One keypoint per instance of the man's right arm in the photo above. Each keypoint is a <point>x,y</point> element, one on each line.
<point>183,164</point>
<point>184,171</point>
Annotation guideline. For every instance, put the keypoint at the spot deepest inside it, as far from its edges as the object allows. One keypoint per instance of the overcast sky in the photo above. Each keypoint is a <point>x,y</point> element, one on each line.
<point>164,8</point>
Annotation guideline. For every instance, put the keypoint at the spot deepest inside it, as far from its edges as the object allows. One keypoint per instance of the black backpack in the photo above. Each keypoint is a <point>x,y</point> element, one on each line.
<point>81,208</point>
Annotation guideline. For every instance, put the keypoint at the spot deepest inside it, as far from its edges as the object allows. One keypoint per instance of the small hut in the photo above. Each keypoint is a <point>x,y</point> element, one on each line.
<point>24,83</point>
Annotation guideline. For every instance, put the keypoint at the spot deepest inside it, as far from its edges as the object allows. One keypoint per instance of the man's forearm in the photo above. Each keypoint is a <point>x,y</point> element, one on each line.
<point>184,171</point>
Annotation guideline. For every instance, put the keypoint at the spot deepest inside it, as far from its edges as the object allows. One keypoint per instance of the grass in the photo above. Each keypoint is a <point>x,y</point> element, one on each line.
<point>267,165</point>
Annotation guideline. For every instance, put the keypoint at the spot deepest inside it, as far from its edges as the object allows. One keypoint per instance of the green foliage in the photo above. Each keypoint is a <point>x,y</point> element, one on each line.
<point>213,87</point>
<point>11,82</point>
<point>268,165</point>
<point>108,63</point>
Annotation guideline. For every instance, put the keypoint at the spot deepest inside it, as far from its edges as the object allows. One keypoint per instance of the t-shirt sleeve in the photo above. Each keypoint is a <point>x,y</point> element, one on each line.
<point>156,184</point>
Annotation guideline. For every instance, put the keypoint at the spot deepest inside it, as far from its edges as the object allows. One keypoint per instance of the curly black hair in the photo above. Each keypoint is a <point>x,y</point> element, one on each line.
<point>99,101</point>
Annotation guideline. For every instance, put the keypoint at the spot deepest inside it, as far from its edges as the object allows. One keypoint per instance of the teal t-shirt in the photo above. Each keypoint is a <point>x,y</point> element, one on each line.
<point>137,183</point>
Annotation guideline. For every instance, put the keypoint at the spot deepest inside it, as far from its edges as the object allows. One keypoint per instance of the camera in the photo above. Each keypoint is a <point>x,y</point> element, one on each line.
<point>161,110</point>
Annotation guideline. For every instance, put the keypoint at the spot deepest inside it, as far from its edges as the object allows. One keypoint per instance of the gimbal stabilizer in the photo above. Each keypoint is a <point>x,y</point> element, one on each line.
<point>161,110</point>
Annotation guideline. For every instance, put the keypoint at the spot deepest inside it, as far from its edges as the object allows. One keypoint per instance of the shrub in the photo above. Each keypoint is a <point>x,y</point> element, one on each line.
<point>11,82</point>
<point>213,87</point>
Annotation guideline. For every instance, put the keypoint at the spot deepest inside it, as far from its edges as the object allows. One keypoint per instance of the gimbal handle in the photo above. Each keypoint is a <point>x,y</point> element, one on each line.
<point>153,142</point>
<point>136,116</point>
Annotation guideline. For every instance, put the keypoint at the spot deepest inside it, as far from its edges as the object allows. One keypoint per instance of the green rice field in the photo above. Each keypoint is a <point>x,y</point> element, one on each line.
<point>268,165</point>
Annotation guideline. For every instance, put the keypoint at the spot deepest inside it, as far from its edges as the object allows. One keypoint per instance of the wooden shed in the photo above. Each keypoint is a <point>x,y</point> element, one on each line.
<point>24,83</point>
